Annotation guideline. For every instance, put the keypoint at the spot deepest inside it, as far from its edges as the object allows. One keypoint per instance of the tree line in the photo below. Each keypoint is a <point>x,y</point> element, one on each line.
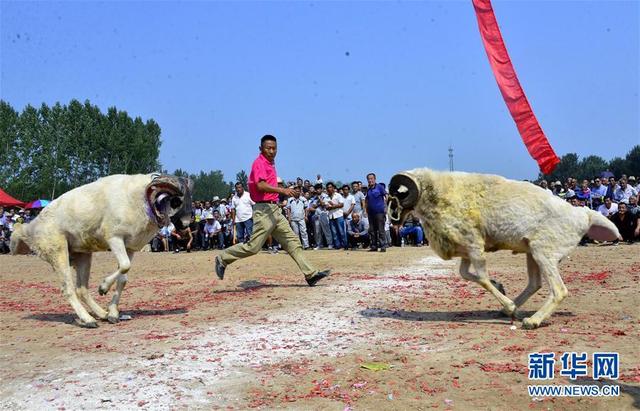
<point>592,166</point>
<point>47,151</point>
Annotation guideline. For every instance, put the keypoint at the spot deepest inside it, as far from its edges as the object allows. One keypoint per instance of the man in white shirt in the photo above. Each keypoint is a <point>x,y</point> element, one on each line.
<point>336,217</point>
<point>213,232</point>
<point>608,207</point>
<point>165,234</point>
<point>242,213</point>
<point>348,203</point>
<point>622,193</point>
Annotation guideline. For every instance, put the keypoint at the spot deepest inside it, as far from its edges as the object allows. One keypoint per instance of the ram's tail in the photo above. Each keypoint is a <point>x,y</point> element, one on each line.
<point>18,244</point>
<point>601,229</point>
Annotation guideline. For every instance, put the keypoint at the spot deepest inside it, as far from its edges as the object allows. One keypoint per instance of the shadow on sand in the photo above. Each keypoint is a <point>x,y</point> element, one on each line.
<point>252,285</point>
<point>489,316</point>
<point>69,318</point>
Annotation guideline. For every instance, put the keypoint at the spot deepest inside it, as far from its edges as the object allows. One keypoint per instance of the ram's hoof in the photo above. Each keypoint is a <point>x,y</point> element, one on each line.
<point>102,291</point>
<point>113,320</point>
<point>499,286</point>
<point>529,324</point>
<point>84,324</point>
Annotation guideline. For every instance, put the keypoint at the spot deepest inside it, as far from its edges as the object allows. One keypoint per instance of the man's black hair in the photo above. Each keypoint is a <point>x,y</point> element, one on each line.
<point>372,174</point>
<point>354,182</point>
<point>345,186</point>
<point>239,184</point>
<point>330,183</point>
<point>267,137</point>
<point>318,186</point>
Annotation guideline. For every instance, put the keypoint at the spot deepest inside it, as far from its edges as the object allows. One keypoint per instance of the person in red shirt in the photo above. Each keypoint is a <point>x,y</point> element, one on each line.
<point>268,218</point>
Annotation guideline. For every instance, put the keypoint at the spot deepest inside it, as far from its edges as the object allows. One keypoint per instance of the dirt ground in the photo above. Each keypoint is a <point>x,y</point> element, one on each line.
<point>263,339</point>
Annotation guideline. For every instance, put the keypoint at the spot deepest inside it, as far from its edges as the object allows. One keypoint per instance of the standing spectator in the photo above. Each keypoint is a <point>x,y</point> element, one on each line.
<point>297,207</point>
<point>197,211</point>
<point>5,238</point>
<point>321,223</point>
<point>336,217</point>
<point>268,218</point>
<point>611,188</point>
<point>242,214</point>
<point>375,204</point>
<point>358,196</point>
<point>568,192</point>
<point>318,179</point>
<point>349,203</point>
<point>357,231</point>
<point>608,208</point>
<point>626,223</point>
<point>623,192</point>
<point>207,210</point>
<point>194,228</point>
<point>598,193</point>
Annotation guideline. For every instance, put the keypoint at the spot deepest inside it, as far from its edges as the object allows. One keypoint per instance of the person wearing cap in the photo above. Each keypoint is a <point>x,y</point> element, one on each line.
<point>213,231</point>
<point>268,218</point>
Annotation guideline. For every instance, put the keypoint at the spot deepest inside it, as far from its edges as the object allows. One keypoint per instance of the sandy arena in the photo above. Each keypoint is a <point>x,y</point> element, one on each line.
<point>263,339</point>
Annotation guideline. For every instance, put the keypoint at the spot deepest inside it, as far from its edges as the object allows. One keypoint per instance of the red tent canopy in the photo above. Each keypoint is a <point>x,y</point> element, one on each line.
<point>7,201</point>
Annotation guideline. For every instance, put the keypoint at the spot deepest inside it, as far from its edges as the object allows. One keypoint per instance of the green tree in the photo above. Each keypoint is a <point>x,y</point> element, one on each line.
<point>591,167</point>
<point>633,162</point>
<point>50,150</point>
<point>241,177</point>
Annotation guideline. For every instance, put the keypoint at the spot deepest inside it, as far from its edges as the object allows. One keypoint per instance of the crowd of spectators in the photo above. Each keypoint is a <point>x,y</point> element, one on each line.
<point>323,216</point>
<point>616,199</point>
<point>350,217</point>
<point>8,218</point>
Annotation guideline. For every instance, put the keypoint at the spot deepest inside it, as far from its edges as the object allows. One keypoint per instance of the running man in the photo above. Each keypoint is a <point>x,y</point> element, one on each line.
<point>268,218</point>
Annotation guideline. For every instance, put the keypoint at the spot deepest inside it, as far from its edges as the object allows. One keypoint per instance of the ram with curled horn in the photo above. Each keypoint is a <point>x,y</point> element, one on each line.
<point>121,213</point>
<point>466,215</point>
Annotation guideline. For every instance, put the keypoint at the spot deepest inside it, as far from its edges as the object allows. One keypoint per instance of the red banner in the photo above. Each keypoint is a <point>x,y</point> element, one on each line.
<point>512,92</point>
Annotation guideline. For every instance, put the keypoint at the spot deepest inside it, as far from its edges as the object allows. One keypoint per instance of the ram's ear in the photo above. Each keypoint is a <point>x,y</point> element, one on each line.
<point>405,189</point>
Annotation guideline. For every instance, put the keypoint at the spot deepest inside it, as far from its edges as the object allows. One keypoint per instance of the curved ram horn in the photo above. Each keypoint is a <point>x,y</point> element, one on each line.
<point>405,189</point>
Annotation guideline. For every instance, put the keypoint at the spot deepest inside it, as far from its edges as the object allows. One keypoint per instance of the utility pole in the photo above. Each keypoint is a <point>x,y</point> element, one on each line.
<point>450,158</point>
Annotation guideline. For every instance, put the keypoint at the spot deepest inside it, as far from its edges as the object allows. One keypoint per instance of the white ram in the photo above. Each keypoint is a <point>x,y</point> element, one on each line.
<point>466,215</point>
<point>120,213</point>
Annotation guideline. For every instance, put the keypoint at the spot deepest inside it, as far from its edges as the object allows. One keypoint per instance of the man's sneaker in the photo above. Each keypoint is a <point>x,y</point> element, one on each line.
<point>219,268</point>
<point>317,277</point>
<point>383,250</point>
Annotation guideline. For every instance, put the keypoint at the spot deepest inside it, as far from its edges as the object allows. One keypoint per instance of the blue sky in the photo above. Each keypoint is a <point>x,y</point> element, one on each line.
<point>347,87</point>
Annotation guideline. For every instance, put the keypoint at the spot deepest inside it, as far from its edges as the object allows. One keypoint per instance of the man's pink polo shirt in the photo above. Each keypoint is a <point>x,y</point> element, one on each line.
<point>262,170</point>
